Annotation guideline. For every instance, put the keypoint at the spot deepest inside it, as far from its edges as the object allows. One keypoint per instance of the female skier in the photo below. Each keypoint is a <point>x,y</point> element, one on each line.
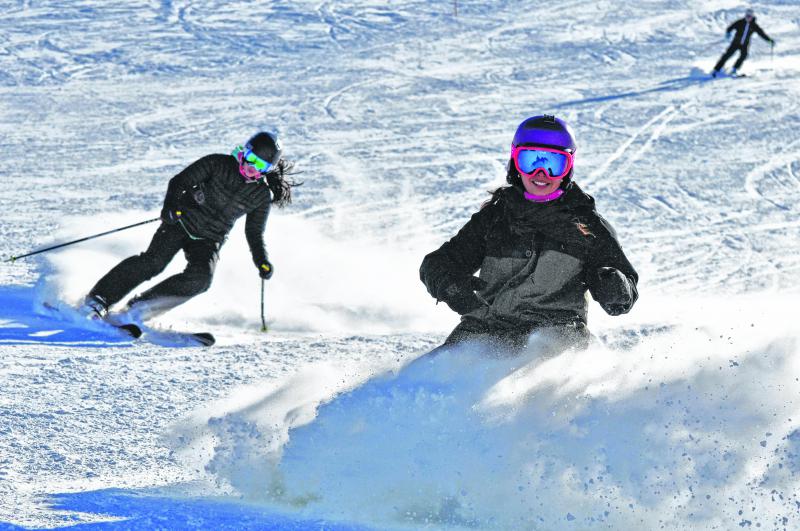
<point>539,244</point>
<point>201,205</point>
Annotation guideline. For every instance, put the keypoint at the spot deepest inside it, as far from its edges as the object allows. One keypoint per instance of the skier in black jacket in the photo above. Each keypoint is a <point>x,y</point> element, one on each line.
<point>744,28</point>
<point>539,245</point>
<point>201,205</point>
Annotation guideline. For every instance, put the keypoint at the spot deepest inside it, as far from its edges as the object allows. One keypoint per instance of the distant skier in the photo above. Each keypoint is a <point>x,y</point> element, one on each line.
<point>202,203</point>
<point>539,245</point>
<point>744,28</point>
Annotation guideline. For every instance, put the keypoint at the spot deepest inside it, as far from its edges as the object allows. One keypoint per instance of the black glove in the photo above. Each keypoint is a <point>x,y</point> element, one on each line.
<point>460,295</point>
<point>171,212</point>
<point>169,216</point>
<point>265,270</point>
<point>612,290</point>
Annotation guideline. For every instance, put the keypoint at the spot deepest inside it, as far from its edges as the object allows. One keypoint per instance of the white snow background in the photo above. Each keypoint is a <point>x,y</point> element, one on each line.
<point>400,115</point>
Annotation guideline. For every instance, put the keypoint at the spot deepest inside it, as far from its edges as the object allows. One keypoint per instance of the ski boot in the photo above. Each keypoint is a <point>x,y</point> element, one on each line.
<point>94,307</point>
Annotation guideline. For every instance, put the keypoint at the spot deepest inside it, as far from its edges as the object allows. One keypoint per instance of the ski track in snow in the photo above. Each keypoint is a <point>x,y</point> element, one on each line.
<point>400,116</point>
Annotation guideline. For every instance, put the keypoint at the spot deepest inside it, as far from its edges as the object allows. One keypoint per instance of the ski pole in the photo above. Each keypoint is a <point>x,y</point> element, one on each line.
<point>263,321</point>
<point>15,258</point>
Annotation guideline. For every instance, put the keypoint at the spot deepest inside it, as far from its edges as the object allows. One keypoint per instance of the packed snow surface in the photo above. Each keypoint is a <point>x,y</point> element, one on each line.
<point>684,415</point>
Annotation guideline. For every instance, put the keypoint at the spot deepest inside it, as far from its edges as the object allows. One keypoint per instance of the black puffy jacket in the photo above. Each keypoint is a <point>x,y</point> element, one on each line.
<point>211,195</point>
<point>744,31</point>
<point>537,260</point>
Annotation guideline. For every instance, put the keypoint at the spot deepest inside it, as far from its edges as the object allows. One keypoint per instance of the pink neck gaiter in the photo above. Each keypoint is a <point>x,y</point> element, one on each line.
<point>544,198</point>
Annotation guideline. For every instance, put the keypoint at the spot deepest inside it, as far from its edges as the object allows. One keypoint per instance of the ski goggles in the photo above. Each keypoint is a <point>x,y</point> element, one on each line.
<point>556,163</point>
<point>246,156</point>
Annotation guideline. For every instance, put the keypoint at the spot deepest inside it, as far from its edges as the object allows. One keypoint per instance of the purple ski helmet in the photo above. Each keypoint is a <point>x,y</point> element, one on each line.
<point>545,130</point>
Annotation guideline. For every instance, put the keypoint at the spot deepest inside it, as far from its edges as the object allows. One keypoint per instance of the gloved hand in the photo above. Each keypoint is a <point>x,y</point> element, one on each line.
<point>772,42</point>
<point>170,216</point>
<point>265,270</point>
<point>612,290</point>
<point>460,295</point>
<point>170,212</point>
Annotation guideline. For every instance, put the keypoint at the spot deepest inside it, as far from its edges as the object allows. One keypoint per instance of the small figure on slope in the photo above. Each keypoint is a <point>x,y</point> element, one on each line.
<point>744,28</point>
<point>539,245</point>
<point>201,205</point>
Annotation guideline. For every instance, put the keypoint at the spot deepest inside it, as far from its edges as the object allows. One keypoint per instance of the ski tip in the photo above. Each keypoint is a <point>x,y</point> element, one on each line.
<point>132,330</point>
<point>204,338</point>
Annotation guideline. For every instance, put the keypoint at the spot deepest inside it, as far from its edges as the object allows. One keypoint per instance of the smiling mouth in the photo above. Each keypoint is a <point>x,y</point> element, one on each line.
<point>539,183</point>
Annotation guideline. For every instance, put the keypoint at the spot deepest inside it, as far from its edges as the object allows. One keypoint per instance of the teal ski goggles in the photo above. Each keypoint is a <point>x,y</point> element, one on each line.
<point>246,155</point>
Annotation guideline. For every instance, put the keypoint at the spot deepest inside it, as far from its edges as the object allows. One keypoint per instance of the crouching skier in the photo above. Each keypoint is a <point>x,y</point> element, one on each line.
<point>202,203</point>
<point>539,245</point>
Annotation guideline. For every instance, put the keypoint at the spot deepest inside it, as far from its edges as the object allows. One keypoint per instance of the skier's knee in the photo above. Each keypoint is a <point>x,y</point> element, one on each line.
<point>200,279</point>
<point>203,285</point>
<point>149,265</point>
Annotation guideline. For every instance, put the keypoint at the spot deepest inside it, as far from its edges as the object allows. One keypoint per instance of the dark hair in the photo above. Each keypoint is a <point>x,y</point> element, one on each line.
<point>495,197</point>
<point>512,178</point>
<point>512,175</point>
<point>280,187</point>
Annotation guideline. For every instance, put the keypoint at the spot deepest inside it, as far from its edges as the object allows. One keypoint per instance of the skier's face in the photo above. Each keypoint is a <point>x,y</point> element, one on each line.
<point>540,183</point>
<point>248,171</point>
<point>541,168</point>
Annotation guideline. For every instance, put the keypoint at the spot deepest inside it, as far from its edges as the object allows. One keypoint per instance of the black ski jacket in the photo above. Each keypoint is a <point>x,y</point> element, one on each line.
<point>537,260</point>
<point>211,195</point>
<point>744,30</point>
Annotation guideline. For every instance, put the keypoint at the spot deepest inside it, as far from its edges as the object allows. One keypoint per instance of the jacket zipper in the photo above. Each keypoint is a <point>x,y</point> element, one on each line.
<point>537,248</point>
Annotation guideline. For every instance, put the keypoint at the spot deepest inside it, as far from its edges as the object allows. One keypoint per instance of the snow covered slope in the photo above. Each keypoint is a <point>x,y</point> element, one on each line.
<point>400,115</point>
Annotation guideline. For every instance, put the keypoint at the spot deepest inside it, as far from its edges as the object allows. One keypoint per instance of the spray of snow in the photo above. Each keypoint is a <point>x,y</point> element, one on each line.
<point>683,424</point>
<point>305,295</point>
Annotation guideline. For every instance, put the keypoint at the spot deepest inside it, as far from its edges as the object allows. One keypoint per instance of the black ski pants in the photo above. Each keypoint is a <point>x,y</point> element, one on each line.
<point>567,335</point>
<point>729,52</point>
<point>201,257</point>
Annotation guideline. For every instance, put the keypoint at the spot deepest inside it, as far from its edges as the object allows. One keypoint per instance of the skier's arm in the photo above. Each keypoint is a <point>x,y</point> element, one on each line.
<point>254,226</point>
<point>611,278</point>
<point>731,28</point>
<point>761,33</point>
<point>447,272</point>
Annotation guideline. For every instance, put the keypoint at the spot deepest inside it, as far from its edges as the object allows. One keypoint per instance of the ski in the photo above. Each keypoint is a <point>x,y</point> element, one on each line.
<point>173,338</point>
<point>131,329</point>
<point>167,338</point>
<point>204,338</point>
<point>726,75</point>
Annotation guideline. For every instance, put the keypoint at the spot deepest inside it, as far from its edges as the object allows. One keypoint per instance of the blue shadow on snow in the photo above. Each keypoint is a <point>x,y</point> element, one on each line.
<point>696,76</point>
<point>22,324</point>
<point>142,510</point>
